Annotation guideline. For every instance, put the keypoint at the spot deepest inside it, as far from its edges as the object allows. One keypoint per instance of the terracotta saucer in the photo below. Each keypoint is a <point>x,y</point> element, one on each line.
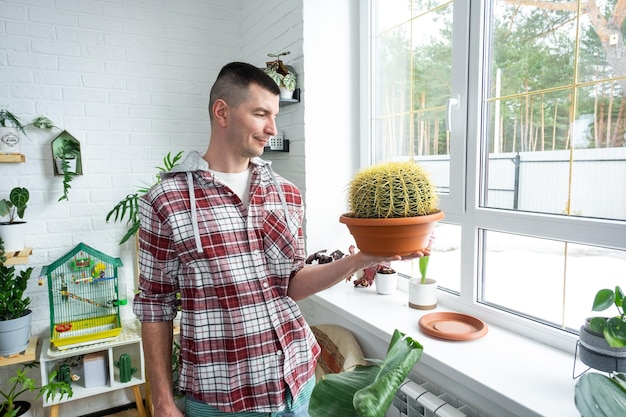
<point>452,326</point>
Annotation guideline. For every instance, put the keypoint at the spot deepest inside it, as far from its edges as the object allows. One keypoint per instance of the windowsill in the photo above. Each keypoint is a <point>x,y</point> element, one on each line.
<point>504,372</point>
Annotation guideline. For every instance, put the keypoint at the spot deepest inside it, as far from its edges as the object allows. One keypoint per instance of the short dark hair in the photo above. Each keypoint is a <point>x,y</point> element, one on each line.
<point>233,81</point>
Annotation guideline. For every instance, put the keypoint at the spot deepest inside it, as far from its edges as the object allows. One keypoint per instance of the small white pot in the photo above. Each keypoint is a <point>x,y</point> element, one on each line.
<point>10,140</point>
<point>13,235</point>
<point>71,165</point>
<point>422,296</point>
<point>284,93</point>
<point>386,283</point>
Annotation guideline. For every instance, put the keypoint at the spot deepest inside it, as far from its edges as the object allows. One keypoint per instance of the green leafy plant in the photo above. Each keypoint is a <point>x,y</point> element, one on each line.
<point>366,391</point>
<point>613,328</point>
<point>280,73</point>
<point>22,383</point>
<point>8,119</point>
<point>423,267</point>
<point>392,190</point>
<point>597,395</point>
<point>69,151</point>
<point>129,207</point>
<point>15,206</point>
<point>13,304</point>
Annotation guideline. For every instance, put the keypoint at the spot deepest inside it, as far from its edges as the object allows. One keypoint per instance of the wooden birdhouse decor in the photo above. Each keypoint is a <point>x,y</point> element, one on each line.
<point>84,297</point>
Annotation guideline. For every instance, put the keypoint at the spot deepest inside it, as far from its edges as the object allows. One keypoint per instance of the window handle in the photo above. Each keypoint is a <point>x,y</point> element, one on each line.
<point>453,103</point>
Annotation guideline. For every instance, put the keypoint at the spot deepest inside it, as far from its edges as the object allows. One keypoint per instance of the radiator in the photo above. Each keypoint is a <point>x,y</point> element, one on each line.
<point>423,399</point>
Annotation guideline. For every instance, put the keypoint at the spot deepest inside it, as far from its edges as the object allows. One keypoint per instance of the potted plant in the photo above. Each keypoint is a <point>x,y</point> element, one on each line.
<point>21,383</point>
<point>13,232</point>
<point>602,342</point>
<point>393,208</point>
<point>129,206</point>
<point>283,75</point>
<point>66,153</point>
<point>423,290</point>
<point>386,279</point>
<point>366,391</point>
<point>598,395</point>
<point>15,315</point>
<point>11,126</point>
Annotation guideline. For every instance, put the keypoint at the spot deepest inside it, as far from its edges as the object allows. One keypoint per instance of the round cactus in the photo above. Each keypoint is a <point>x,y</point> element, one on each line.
<point>392,190</point>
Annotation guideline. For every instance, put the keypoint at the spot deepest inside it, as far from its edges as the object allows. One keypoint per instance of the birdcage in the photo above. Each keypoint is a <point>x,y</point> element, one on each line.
<point>83,293</point>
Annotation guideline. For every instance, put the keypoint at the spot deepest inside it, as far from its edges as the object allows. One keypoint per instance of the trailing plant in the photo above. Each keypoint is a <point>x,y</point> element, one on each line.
<point>69,150</point>
<point>21,384</point>
<point>613,328</point>
<point>366,391</point>
<point>13,304</point>
<point>8,119</point>
<point>280,73</point>
<point>129,206</point>
<point>392,190</point>
<point>597,395</point>
<point>15,206</point>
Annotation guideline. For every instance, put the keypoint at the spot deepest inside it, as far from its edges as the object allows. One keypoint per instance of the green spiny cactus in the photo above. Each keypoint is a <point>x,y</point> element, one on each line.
<point>392,190</point>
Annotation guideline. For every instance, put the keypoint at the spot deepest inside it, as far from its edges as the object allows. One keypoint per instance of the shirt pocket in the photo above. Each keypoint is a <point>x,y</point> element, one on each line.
<point>279,238</point>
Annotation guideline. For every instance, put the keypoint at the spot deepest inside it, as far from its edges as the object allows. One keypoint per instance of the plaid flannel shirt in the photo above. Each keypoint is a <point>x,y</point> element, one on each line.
<point>244,342</point>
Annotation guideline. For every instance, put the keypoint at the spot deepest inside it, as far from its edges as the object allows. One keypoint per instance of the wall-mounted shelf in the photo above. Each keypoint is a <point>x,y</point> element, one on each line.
<point>28,355</point>
<point>18,257</point>
<point>12,157</point>
<point>287,101</point>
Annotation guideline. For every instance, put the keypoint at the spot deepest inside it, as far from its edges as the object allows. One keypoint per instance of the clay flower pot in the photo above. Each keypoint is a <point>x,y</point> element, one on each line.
<point>392,236</point>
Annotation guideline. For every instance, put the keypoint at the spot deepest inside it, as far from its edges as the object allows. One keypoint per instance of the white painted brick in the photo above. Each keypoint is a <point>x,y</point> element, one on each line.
<point>12,11</point>
<point>16,75</point>
<point>51,16</point>
<point>32,61</point>
<point>124,12</point>
<point>105,24</point>
<point>86,37</point>
<point>32,30</point>
<point>82,65</point>
<point>57,77</point>
<point>79,6</point>
<point>85,95</point>
<point>103,81</point>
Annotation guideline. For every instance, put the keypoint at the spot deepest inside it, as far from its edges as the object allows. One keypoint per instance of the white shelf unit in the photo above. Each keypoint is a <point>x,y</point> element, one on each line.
<point>128,341</point>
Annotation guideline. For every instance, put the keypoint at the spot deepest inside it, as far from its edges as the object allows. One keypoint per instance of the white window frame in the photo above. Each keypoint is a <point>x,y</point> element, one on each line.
<point>462,205</point>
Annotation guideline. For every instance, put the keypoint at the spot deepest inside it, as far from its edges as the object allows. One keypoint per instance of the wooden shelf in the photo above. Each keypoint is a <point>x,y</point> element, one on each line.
<point>28,355</point>
<point>18,257</point>
<point>12,157</point>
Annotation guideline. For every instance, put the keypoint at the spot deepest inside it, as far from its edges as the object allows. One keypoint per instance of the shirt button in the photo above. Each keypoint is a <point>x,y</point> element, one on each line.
<point>279,353</point>
<point>265,285</point>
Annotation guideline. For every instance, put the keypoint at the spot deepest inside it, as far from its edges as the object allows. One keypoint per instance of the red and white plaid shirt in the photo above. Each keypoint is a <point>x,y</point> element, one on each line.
<point>243,340</point>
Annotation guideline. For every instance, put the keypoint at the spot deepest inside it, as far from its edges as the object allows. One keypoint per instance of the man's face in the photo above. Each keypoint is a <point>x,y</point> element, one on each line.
<point>253,122</point>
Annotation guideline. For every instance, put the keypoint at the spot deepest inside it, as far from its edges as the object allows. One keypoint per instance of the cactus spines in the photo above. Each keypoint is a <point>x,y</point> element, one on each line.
<point>392,190</point>
<point>124,365</point>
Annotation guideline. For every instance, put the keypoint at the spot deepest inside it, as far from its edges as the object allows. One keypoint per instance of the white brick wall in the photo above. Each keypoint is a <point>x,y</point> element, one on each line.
<point>130,80</point>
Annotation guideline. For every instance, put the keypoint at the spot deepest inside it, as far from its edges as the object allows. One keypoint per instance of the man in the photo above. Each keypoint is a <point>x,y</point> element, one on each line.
<point>225,231</point>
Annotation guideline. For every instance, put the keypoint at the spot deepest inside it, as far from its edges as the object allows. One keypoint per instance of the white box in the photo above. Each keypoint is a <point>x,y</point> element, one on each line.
<point>95,369</point>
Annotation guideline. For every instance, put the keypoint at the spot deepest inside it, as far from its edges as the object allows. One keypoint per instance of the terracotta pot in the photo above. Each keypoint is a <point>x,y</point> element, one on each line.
<point>388,237</point>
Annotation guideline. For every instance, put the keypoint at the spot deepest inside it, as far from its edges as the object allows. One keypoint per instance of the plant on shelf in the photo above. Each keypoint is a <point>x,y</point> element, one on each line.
<point>15,315</point>
<point>283,75</point>
<point>597,395</point>
<point>129,206</point>
<point>13,232</point>
<point>15,206</point>
<point>613,328</point>
<point>22,383</point>
<point>366,391</point>
<point>388,198</point>
<point>11,126</point>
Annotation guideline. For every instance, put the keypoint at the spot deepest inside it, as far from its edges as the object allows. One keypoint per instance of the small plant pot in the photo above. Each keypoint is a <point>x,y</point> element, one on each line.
<point>13,235</point>
<point>386,283</point>
<point>10,140</point>
<point>71,164</point>
<point>284,93</point>
<point>422,296</point>
<point>595,352</point>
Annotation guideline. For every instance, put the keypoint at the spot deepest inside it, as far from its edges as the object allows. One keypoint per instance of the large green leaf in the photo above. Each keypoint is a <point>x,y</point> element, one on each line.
<point>597,395</point>
<point>367,391</point>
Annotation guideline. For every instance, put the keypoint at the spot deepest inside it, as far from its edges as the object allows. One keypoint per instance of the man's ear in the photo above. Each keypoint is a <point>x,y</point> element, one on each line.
<point>220,112</point>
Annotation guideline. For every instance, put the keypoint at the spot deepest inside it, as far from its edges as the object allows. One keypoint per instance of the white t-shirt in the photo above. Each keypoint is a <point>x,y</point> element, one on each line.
<point>238,182</point>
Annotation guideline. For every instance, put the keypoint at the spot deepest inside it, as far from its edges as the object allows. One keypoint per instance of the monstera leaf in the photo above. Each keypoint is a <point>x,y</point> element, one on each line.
<point>366,391</point>
<point>597,395</point>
